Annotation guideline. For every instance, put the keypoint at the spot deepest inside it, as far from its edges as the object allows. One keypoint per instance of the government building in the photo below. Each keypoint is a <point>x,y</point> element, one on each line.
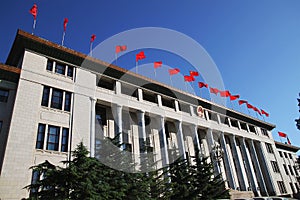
<point>52,98</point>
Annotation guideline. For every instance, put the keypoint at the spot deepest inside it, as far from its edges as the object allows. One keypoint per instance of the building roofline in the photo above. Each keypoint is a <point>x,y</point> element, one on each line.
<point>9,73</point>
<point>287,147</point>
<point>24,40</point>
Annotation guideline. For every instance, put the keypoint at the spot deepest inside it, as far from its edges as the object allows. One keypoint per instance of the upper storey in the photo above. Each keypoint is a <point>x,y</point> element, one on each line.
<point>108,74</point>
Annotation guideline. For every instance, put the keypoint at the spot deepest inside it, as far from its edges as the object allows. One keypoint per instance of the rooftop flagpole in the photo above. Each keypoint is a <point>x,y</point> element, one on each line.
<point>33,11</point>
<point>64,33</point>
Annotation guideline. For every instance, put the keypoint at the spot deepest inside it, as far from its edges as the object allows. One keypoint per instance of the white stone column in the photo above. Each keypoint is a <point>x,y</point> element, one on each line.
<point>176,106</point>
<point>140,94</point>
<point>196,140</point>
<point>117,113</point>
<point>238,162</point>
<point>180,139</point>
<point>228,167</point>
<point>263,189</point>
<point>159,100</point>
<point>92,127</point>
<point>142,130</point>
<point>250,172</point>
<point>118,87</point>
<point>163,142</point>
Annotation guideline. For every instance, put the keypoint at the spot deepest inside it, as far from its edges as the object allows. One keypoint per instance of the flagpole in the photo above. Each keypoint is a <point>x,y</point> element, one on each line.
<point>186,86</point>
<point>171,81</point>
<point>155,73</point>
<point>91,47</point>
<point>33,26</point>
<point>136,67</point>
<point>116,58</point>
<point>63,38</point>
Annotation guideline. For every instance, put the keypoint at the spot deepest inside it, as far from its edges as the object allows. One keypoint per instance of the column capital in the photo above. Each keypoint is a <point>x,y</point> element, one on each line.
<point>93,99</point>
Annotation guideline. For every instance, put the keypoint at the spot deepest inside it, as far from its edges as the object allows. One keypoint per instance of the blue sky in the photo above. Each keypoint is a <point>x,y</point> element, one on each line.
<point>255,44</point>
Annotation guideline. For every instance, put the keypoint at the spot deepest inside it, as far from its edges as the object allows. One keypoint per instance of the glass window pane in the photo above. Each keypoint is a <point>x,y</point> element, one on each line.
<point>70,71</point>
<point>3,95</point>
<point>64,140</point>
<point>49,65</point>
<point>57,98</point>
<point>53,138</point>
<point>40,137</point>
<point>67,101</point>
<point>45,98</point>
<point>60,68</point>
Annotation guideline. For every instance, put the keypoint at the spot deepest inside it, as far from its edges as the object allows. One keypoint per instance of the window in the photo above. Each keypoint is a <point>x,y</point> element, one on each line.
<point>290,156</point>
<point>275,166</point>
<point>35,178</point>
<point>57,98</point>
<point>40,137</point>
<point>285,155</point>
<point>49,65</point>
<point>1,123</point>
<point>53,138</point>
<point>70,71</point>
<point>264,132</point>
<point>234,123</point>
<point>243,126</point>
<point>291,170</point>
<point>60,68</point>
<point>3,95</point>
<point>269,148</point>
<point>280,153</point>
<point>281,187</point>
<point>292,187</point>
<point>64,140</point>
<point>67,101</point>
<point>45,98</point>
<point>252,128</point>
<point>285,169</point>
<point>295,169</point>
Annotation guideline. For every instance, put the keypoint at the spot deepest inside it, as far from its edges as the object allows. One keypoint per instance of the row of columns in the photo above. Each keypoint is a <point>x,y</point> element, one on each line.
<point>254,177</point>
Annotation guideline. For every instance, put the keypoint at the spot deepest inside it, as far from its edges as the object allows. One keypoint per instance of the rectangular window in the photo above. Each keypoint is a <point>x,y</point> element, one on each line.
<point>269,148</point>
<point>67,101</point>
<point>290,156</point>
<point>285,155</point>
<point>285,169</point>
<point>291,170</point>
<point>53,138</point>
<point>264,132</point>
<point>275,166</point>
<point>40,137</point>
<point>57,99</point>
<point>34,179</point>
<point>70,71</point>
<point>292,187</point>
<point>234,123</point>
<point>60,68</point>
<point>64,140</point>
<point>252,128</point>
<point>45,98</point>
<point>3,95</point>
<point>281,187</point>
<point>295,169</point>
<point>280,153</point>
<point>49,65</point>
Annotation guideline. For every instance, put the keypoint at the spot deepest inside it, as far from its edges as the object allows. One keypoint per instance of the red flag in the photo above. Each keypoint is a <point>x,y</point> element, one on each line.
<point>281,134</point>
<point>174,71</point>
<point>225,93</point>
<point>213,90</point>
<point>234,97</point>
<point>194,73</point>
<point>34,11</point>
<point>140,56</point>
<point>93,37</point>
<point>289,142</point>
<point>120,48</point>
<point>201,85</point>
<point>257,110</point>
<point>242,102</point>
<point>157,64</point>
<point>65,23</point>
<point>189,78</point>
<point>249,105</point>
<point>264,112</point>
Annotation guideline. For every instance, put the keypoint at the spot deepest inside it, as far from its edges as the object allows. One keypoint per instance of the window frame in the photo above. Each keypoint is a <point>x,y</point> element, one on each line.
<point>60,68</point>
<point>40,138</point>
<point>59,98</point>
<point>55,136</point>
<point>64,140</point>
<point>4,94</point>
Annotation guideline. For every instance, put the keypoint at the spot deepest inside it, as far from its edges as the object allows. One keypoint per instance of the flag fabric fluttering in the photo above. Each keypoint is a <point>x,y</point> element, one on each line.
<point>121,48</point>
<point>189,78</point>
<point>264,112</point>
<point>194,73</point>
<point>225,93</point>
<point>242,102</point>
<point>174,71</point>
<point>201,85</point>
<point>281,134</point>
<point>157,64</point>
<point>140,56</point>
<point>249,106</point>
<point>66,20</point>
<point>34,11</point>
<point>257,110</point>
<point>93,37</point>
<point>288,141</point>
<point>214,90</point>
<point>234,97</point>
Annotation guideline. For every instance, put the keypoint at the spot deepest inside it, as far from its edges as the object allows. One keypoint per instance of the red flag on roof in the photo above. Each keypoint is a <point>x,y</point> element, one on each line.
<point>242,102</point>
<point>201,85</point>
<point>288,140</point>
<point>189,78</point>
<point>234,97</point>
<point>174,71</point>
<point>225,93</point>
<point>281,134</point>
<point>249,105</point>
<point>140,56</point>
<point>257,110</point>
<point>157,64</point>
<point>194,73</point>
<point>264,112</point>
<point>65,23</point>
<point>34,11</point>
<point>93,37</point>
<point>213,90</point>
<point>120,48</point>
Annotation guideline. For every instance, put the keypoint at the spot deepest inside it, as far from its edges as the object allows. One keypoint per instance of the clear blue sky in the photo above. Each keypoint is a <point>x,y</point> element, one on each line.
<point>255,44</point>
